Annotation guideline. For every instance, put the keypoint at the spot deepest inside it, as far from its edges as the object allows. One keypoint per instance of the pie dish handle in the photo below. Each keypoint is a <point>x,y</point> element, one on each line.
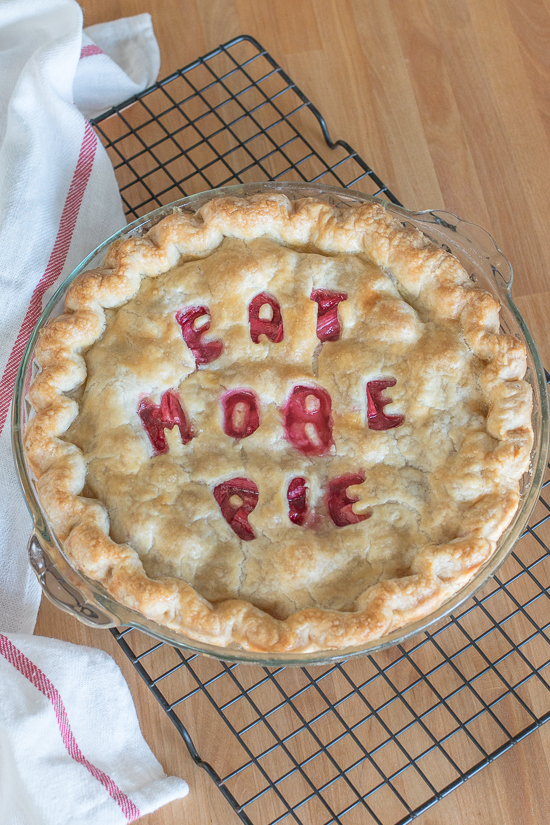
<point>471,244</point>
<point>60,591</point>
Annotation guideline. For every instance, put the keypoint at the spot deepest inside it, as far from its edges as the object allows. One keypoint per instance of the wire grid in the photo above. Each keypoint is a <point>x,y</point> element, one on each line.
<point>373,740</point>
<point>232,116</point>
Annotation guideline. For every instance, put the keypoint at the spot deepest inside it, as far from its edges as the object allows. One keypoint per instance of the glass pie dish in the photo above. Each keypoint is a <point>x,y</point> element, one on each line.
<point>486,266</point>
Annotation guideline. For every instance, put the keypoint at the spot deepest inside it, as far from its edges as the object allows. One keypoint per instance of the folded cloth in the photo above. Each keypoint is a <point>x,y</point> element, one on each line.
<point>71,750</point>
<point>58,200</point>
<point>70,746</point>
<point>101,83</point>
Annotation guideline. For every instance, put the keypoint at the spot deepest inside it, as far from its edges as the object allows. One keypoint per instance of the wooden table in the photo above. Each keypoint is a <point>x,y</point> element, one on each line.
<point>448,101</point>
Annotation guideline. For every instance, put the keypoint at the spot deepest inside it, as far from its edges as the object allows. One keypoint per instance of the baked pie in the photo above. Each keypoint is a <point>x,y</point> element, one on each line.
<point>286,426</point>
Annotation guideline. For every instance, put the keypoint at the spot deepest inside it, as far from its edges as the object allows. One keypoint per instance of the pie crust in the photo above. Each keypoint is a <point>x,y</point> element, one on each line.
<point>327,451</point>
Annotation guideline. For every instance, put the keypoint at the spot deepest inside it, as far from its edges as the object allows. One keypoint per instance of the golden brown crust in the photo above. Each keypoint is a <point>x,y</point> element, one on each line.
<point>446,482</point>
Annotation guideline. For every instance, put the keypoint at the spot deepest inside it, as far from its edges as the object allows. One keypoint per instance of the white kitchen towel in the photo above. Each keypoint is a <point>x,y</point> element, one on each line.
<point>58,200</point>
<point>129,61</point>
<point>71,750</point>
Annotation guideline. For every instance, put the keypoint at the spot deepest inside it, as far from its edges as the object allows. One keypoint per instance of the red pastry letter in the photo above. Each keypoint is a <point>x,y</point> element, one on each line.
<point>297,500</point>
<point>237,498</point>
<point>308,421</point>
<point>268,321</point>
<point>204,351</point>
<point>241,416</point>
<point>168,414</point>
<point>339,504</point>
<point>376,401</point>
<point>328,324</point>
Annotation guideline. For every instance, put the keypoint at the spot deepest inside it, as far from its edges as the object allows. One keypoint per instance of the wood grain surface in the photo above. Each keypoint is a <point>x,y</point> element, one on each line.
<point>448,101</point>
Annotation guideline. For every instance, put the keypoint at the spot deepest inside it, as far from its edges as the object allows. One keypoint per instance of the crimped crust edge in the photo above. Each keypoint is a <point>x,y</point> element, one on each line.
<point>424,272</point>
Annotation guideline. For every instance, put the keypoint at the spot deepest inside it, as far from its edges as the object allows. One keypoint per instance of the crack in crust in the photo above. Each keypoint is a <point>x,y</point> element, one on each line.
<point>436,286</point>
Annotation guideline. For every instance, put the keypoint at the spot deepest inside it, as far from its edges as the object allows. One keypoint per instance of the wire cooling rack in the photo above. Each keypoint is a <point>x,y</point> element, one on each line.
<point>377,739</point>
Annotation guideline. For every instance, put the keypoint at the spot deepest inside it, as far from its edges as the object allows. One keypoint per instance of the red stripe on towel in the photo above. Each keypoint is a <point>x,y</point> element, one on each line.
<point>88,51</point>
<point>39,679</point>
<point>54,267</point>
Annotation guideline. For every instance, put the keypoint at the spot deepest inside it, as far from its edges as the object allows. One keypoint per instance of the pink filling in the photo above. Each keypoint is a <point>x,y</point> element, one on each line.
<point>168,414</point>
<point>272,329</point>
<point>241,416</point>
<point>340,504</point>
<point>204,352</point>
<point>236,512</point>
<point>297,500</point>
<point>308,420</point>
<point>328,324</point>
<point>376,401</point>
